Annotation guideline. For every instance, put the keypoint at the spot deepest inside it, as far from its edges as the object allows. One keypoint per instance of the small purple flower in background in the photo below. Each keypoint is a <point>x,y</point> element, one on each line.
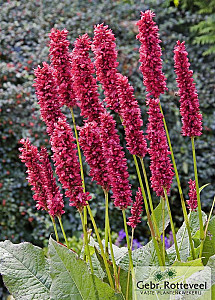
<point>136,244</point>
<point>168,240</point>
<point>120,241</point>
<point>120,238</point>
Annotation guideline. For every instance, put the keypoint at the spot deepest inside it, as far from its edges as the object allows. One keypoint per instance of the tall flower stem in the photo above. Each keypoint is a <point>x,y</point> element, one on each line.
<point>172,225</point>
<point>107,227</point>
<point>150,200</point>
<point>64,234</point>
<point>202,235</point>
<point>86,242</point>
<point>131,266</point>
<point>160,259</point>
<point>128,279</point>
<point>101,246</point>
<point>55,228</point>
<point>179,186</point>
<point>163,221</point>
<point>106,224</point>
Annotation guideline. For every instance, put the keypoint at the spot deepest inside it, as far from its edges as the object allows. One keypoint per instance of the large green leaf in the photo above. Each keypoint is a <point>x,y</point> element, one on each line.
<point>211,264</point>
<point>209,244</point>
<point>25,271</point>
<point>159,216</point>
<point>71,278</point>
<point>182,237</point>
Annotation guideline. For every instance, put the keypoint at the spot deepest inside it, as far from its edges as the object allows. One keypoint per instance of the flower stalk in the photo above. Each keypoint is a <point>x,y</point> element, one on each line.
<point>55,228</point>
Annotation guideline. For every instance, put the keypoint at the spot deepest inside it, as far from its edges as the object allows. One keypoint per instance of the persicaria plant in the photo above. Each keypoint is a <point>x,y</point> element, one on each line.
<point>103,270</point>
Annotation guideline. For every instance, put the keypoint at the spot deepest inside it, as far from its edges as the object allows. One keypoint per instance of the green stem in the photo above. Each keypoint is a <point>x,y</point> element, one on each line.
<point>101,247</point>
<point>64,234</point>
<point>106,224</point>
<point>160,259</point>
<point>129,269</point>
<point>55,228</point>
<point>86,242</point>
<point>172,225</point>
<point>163,220</point>
<point>129,252</point>
<point>179,186</point>
<point>202,235</point>
<point>150,200</point>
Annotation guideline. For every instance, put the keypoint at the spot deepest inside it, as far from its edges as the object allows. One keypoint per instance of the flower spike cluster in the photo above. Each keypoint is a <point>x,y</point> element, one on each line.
<point>192,202</point>
<point>85,85</point>
<point>61,61</point>
<point>150,55</point>
<point>131,117</point>
<point>116,162</point>
<point>189,103</point>
<point>104,49</point>
<point>67,165</point>
<point>91,144</point>
<point>55,198</point>
<point>161,166</point>
<point>136,210</point>
<point>40,176</point>
<point>47,94</point>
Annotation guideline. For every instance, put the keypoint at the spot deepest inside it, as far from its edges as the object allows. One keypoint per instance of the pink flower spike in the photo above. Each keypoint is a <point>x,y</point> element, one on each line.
<point>192,202</point>
<point>160,166</point>
<point>85,85</point>
<point>55,198</point>
<point>189,103</point>
<point>150,55</point>
<point>136,210</point>
<point>30,157</point>
<point>131,117</point>
<point>91,144</point>
<point>116,162</point>
<point>47,94</point>
<point>61,61</point>
<point>67,165</point>
<point>104,49</point>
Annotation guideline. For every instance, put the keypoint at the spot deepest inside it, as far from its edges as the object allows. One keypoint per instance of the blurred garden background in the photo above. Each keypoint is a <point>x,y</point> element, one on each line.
<point>24,29</point>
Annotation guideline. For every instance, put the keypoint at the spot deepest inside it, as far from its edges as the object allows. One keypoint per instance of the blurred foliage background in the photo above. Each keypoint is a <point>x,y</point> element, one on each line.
<point>24,29</point>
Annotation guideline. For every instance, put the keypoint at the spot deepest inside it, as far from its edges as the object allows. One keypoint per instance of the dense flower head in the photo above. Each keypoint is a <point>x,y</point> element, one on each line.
<point>47,94</point>
<point>150,55</point>
<point>160,166</point>
<point>189,103</point>
<point>192,202</point>
<point>116,162</point>
<point>67,165</point>
<point>136,210</point>
<point>131,117</point>
<point>85,85</point>
<point>55,198</point>
<point>104,49</point>
<point>30,157</point>
<point>61,61</point>
<point>91,144</point>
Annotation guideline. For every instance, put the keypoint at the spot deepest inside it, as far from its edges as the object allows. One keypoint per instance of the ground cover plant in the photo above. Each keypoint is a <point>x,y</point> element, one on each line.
<point>70,80</point>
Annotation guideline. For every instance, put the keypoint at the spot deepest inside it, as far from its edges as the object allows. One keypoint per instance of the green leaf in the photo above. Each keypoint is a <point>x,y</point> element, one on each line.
<point>158,216</point>
<point>182,237</point>
<point>209,244</point>
<point>202,187</point>
<point>25,271</point>
<point>193,263</point>
<point>211,264</point>
<point>71,278</point>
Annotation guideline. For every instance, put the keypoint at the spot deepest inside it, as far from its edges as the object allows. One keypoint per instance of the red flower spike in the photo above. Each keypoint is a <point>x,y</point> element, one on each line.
<point>161,166</point>
<point>136,210</point>
<point>67,165</point>
<point>131,117</point>
<point>116,162</point>
<point>104,49</point>
<point>40,176</point>
<point>47,94</point>
<point>150,55</point>
<point>91,144</point>
<point>85,85</point>
<point>61,61</point>
<point>192,202</point>
<point>55,198</point>
<point>189,108</point>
